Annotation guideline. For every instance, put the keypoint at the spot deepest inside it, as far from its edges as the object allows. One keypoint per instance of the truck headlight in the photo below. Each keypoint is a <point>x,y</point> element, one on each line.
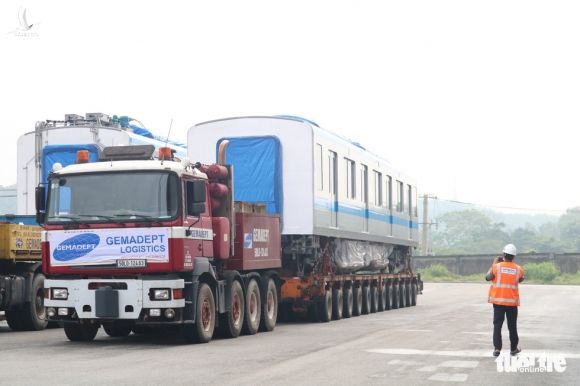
<point>59,293</point>
<point>161,294</point>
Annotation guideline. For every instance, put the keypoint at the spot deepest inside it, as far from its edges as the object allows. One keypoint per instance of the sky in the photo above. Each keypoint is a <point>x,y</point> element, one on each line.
<point>479,101</point>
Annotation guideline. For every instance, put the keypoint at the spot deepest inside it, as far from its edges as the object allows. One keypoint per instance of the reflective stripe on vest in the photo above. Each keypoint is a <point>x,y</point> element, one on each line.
<point>504,286</point>
<point>504,300</point>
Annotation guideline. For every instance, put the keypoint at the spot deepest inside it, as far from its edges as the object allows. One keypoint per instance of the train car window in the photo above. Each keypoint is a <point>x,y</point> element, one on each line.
<point>389,192</point>
<point>318,167</point>
<point>364,185</point>
<point>409,200</point>
<point>415,209</point>
<point>378,188</point>
<point>332,173</point>
<point>350,179</point>
<point>400,196</point>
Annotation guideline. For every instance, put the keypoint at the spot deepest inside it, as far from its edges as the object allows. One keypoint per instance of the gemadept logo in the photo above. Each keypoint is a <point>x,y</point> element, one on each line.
<point>531,363</point>
<point>248,241</point>
<point>24,28</point>
<point>76,246</point>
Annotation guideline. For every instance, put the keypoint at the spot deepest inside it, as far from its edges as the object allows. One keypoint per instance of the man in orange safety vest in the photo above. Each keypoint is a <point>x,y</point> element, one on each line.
<point>505,277</point>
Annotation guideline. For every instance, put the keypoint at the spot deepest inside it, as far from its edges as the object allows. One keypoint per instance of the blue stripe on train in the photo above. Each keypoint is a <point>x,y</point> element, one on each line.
<point>360,212</point>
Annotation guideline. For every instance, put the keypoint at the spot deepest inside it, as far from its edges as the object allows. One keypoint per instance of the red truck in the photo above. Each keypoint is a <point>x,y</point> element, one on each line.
<point>143,240</point>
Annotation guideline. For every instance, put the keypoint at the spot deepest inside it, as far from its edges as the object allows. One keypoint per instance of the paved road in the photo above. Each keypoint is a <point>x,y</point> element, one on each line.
<point>445,339</point>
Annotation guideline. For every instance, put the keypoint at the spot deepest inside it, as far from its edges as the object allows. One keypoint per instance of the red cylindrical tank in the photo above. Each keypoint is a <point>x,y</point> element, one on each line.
<point>216,203</point>
<point>218,190</point>
<point>221,240</point>
<point>216,172</point>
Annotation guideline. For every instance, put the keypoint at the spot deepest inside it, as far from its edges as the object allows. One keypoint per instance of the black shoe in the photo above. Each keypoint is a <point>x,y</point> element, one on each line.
<point>496,352</point>
<point>516,351</point>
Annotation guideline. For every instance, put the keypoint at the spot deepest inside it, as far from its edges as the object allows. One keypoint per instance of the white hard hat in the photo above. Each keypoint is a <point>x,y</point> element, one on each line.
<point>510,249</point>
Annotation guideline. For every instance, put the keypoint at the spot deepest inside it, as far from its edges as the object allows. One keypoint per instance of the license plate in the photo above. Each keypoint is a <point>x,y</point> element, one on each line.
<point>132,263</point>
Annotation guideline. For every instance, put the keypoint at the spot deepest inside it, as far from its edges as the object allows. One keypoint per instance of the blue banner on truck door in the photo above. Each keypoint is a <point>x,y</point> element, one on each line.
<point>107,246</point>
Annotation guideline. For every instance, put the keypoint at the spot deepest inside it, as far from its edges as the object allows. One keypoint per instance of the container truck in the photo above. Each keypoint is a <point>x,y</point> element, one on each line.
<point>289,216</point>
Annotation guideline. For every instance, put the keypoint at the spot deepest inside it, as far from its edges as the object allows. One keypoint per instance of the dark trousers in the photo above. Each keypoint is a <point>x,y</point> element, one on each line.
<point>499,314</point>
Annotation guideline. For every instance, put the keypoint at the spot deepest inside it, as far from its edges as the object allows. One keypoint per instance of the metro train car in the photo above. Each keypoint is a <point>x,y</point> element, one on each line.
<point>333,196</point>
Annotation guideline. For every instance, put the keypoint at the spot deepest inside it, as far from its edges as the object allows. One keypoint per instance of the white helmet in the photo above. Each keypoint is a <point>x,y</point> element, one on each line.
<point>510,249</point>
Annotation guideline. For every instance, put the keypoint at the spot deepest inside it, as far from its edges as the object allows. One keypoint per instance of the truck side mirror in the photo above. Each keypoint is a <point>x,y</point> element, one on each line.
<point>39,196</point>
<point>196,197</point>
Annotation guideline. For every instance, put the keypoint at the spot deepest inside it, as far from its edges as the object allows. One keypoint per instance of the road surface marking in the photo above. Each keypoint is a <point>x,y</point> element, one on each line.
<point>444,377</point>
<point>460,364</point>
<point>464,353</point>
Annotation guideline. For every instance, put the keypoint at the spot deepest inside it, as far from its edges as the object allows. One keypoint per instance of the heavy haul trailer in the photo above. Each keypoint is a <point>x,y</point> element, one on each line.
<point>21,278</point>
<point>349,219</point>
<point>131,244</point>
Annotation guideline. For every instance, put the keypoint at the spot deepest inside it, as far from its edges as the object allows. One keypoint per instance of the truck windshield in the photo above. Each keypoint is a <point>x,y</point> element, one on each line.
<point>107,197</point>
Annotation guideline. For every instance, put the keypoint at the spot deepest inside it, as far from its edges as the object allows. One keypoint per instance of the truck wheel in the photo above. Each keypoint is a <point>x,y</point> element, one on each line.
<point>366,300</point>
<point>374,299</point>
<point>413,294</point>
<point>34,314</point>
<point>269,306</point>
<point>408,295</point>
<point>337,303</point>
<point>253,308</point>
<point>383,298</point>
<point>202,330</point>
<point>116,330</point>
<point>82,332</point>
<point>357,301</point>
<point>395,298</point>
<point>347,300</point>
<point>232,321</point>
<point>325,307</point>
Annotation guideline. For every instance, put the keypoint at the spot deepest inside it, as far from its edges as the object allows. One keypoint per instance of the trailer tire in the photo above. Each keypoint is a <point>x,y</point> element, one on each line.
<point>357,303</point>
<point>337,303</point>
<point>414,294</point>
<point>325,307</point>
<point>231,322</point>
<point>347,300</point>
<point>81,332</point>
<point>374,299</point>
<point>33,315</point>
<point>388,297</point>
<point>253,308</point>
<point>395,297</point>
<point>116,330</point>
<point>269,306</point>
<point>383,298</point>
<point>408,295</point>
<point>402,295</point>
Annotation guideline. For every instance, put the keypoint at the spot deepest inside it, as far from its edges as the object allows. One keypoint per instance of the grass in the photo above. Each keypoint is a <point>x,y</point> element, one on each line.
<point>536,273</point>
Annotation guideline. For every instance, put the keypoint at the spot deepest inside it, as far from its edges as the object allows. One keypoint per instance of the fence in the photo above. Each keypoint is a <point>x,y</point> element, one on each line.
<point>470,264</point>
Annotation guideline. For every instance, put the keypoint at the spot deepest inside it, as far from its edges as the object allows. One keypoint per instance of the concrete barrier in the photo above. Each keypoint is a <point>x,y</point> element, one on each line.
<point>472,264</point>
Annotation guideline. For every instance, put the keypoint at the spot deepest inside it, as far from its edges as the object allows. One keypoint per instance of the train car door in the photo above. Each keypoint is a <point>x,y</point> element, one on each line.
<point>333,188</point>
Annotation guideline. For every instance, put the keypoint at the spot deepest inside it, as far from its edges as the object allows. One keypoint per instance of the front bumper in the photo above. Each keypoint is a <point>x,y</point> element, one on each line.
<point>131,298</point>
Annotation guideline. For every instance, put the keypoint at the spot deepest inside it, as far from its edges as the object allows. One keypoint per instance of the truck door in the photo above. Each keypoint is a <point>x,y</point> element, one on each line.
<point>198,219</point>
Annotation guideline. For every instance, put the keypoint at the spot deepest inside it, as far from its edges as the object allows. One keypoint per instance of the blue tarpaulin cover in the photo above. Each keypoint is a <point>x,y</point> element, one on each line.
<point>257,170</point>
<point>66,155</point>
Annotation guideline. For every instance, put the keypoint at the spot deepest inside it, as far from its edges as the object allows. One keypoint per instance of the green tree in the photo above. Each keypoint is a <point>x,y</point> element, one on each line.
<point>569,225</point>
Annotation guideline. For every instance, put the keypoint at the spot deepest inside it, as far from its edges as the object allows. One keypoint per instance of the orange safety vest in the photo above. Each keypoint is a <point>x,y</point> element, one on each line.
<point>504,286</point>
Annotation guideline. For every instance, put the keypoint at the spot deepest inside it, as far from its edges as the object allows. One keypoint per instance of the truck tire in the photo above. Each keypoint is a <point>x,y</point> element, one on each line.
<point>374,299</point>
<point>357,301</point>
<point>366,300</point>
<point>325,307</point>
<point>408,294</point>
<point>395,297</point>
<point>202,330</point>
<point>116,330</point>
<point>402,295</point>
<point>337,303</point>
<point>348,302</point>
<point>33,315</point>
<point>14,319</point>
<point>231,322</point>
<point>253,308</point>
<point>269,306</point>
<point>81,332</point>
